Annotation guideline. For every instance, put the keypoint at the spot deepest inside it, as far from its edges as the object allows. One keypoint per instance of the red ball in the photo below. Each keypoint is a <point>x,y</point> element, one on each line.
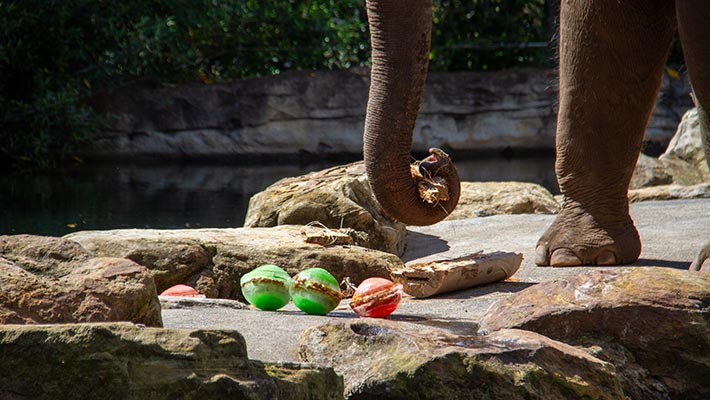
<point>376,298</point>
<point>181,291</point>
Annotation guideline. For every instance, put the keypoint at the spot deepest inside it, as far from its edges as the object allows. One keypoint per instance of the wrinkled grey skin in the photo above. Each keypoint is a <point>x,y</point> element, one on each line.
<point>611,60</point>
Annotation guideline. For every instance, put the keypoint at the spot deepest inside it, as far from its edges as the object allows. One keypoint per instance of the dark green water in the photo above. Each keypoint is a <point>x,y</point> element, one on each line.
<point>178,196</point>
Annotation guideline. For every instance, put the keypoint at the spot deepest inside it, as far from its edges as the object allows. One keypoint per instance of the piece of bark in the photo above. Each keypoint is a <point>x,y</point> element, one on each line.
<point>436,277</point>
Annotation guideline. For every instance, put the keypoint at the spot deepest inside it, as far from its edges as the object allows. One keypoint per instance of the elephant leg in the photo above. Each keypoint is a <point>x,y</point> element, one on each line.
<point>611,60</point>
<point>694,30</point>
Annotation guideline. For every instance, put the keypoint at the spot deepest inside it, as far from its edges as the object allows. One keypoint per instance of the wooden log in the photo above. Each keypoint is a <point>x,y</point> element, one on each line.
<point>441,276</point>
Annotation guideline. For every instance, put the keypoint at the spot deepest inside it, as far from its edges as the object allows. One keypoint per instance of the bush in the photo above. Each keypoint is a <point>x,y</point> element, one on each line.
<point>490,35</point>
<point>55,54</point>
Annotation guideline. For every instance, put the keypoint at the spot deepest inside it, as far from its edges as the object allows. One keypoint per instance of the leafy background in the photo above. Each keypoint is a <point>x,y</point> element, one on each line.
<point>55,54</point>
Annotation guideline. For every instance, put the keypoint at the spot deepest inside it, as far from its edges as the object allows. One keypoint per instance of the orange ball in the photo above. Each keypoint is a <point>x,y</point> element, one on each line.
<point>376,298</point>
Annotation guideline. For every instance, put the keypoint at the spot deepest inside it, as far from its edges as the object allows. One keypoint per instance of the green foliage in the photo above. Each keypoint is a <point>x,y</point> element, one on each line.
<point>55,54</point>
<point>490,34</point>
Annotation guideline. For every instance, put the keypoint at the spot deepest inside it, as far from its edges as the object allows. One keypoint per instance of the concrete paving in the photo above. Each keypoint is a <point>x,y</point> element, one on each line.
<point>671,232</point>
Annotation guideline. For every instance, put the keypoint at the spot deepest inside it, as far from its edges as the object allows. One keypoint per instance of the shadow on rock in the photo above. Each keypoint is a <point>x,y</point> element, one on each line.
<point>479,291</point>
<point>643,262</point>
<point>420,245</point>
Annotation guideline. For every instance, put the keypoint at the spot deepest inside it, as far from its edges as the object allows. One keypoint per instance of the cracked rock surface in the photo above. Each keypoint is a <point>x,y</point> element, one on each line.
<point>653,323</point>
<point>125,361</point>
<point>213,260</point>
<point>54,280</point>
<point>404,361</point>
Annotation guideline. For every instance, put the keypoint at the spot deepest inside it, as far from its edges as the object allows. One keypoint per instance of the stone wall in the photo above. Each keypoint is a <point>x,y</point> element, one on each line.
<point>322,113</point>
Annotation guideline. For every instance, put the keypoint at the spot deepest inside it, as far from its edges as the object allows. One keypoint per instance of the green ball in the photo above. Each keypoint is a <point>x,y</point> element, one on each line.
<point>266,287</point>
<point>315,291</point>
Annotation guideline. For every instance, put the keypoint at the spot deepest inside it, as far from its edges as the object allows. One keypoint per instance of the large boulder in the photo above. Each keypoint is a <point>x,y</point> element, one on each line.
<point>480,199</point>
<point>686,145</point>
<point>685,173</point>
<point>341,197</point>
<point>124,361</point>
<point>398,360</point>
<point>652,323</point>
<point>336,197</point>
<point>43,255</point>
<point>683,162</point>
<point>650,171</point>
<point>52,280</point>
<point>670,192</point>
<point>213,260</point>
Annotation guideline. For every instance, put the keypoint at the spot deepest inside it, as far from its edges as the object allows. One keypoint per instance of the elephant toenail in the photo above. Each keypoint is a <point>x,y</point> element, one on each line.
<point>606,258</point>
<point>564,258</point>
<point>541,258</point>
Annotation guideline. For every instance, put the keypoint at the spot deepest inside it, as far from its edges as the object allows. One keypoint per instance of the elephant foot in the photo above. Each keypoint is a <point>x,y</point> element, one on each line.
<point>578,237</point>
<point>703,255</point>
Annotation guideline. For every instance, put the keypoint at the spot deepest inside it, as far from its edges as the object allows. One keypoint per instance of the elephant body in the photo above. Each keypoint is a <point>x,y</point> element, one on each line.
<point>611,59</point>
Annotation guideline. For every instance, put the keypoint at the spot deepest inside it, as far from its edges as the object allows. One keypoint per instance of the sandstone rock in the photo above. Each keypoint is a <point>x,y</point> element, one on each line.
<point>650,171</point>
<point>683,163</point>
<point>684,158</point>
<point>230,254</point>
<point>323,112</point>
<point>52,280</point>
<point>487,111</point>
<point>124,361</point>
<point>686,145</point>
<point>177,303</point>
<point>397,360</point>
<point>670,192</point>
<point>170,263</point>
<point>341,197</point>
<point>336,197</point>
<point>480,199</point>
<point>685,173</point>
<point>42,255</point>
<point>291,114</point>
<point>652,323</point>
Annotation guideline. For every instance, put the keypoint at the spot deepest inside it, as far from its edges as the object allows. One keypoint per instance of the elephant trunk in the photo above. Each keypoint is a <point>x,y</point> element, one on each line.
<point>400,33</point>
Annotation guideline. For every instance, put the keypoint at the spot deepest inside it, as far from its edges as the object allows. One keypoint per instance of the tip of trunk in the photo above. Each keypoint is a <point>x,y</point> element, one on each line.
<point>423,193</point>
